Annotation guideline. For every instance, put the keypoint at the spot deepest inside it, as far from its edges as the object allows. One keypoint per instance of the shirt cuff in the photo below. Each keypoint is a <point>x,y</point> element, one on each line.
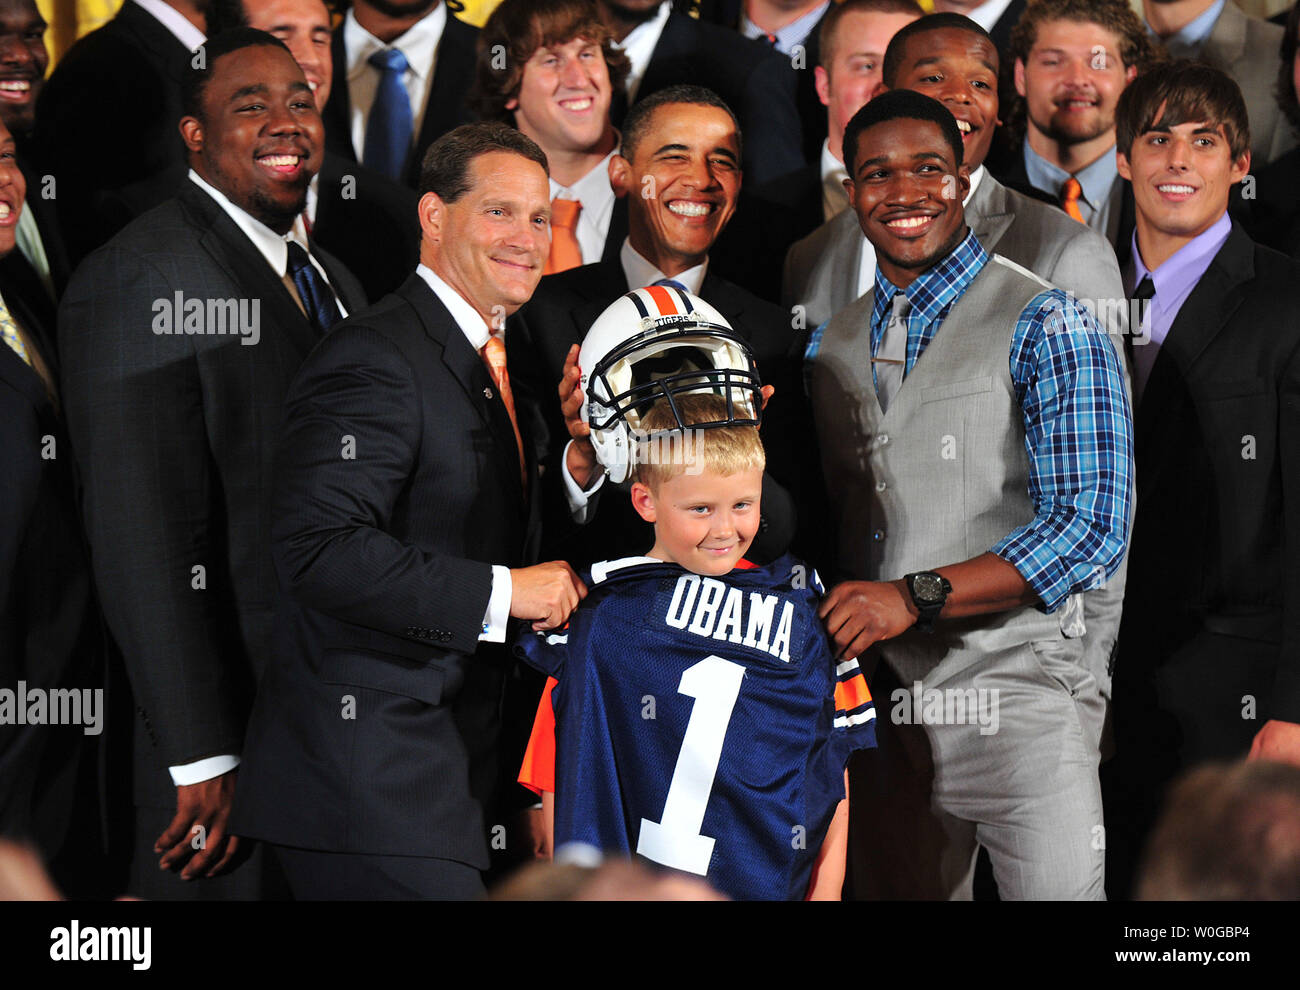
<point>201,770</point>
<point>498,610</point>
<point>1044,570</point>
<point>580,502</point>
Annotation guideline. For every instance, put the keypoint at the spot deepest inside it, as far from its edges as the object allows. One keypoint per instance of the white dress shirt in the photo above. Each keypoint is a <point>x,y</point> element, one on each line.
<point>867,269</point>
<point>639,272</point>
<point>174,21</point>
<point>987,14</point>
<point>420,46</point>
<point>476,331</point>
<point>834,199</point>
<point>639,46</point>
<point>596,195</point>
<point>272,246</point>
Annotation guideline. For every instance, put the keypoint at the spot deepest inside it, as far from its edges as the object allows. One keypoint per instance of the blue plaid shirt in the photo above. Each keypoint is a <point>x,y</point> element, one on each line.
<point>1078,426</point>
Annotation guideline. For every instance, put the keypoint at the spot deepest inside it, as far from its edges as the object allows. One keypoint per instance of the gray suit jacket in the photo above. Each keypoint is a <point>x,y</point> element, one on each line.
<point>1249,50</point>
<point>821,271</point>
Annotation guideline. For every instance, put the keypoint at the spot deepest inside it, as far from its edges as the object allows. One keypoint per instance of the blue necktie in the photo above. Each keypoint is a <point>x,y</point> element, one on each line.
<point>388,133</point>
<point>672,283</point>
<point>314,291</point>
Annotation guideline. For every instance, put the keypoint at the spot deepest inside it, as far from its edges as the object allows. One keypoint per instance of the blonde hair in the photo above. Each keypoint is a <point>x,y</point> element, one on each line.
<point>665,450</point>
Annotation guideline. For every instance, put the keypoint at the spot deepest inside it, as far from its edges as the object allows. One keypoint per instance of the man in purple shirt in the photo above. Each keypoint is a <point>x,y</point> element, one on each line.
<point>1209,657</point>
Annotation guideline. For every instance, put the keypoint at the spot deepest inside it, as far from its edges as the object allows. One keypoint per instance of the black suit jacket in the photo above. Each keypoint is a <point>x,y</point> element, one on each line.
<point>173,435</point>
<point>106,125</point>
<point>1217,445</point>
<point>367,221</point>
<point>385,572</point>
<point>445,109</point>
<point>49,631</point>
<point>559,315</point>
<point>756,82</point>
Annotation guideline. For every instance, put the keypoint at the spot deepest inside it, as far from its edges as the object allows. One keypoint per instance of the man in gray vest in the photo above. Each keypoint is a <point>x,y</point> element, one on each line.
<point>977,444</point>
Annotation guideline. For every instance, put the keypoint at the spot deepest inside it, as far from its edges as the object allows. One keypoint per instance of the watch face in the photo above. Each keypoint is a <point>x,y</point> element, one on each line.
<point>928,587</point>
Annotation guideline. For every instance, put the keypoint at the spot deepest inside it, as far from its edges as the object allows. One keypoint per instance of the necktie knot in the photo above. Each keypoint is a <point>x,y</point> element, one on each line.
<point>1145,289</point>
<point>389,60</point>
<point>494,353</point>
<point>672,283</point>
<point>298,259</point>
<point>1071,193</point>
<point>564,213</point>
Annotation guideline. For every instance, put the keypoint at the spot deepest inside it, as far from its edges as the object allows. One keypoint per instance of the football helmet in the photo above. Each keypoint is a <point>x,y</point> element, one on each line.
<point>654,343</point>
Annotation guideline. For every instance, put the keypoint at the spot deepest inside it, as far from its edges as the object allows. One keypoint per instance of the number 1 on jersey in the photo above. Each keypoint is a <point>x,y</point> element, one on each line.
<point>675,839</point>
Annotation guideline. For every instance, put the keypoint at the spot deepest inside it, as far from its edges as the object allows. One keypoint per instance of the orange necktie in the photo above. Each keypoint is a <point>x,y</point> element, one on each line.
<point>494,355</point>
<point>1070,193</point>
<point>565,252</point>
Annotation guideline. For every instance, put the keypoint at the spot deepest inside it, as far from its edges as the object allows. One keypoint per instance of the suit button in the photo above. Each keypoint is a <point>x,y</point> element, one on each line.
<point>882,439</point>
<point>881,486</point>
<point>878,535</point>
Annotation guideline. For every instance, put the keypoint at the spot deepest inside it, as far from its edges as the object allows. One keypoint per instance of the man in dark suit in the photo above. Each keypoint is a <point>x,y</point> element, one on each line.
<point>179,339</point>
<point>556,84</point>
<point>1208,665</point>
<point>364,219</point>
<point>387,105</point>
<point>49,633</point>
<point>682,142</point>
<point>118,87</point>
<point>40,262</point>
<point>667,48</point>
<point>372,750</point>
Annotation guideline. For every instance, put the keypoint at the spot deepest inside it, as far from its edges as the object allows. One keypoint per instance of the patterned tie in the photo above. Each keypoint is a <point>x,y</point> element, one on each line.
<point>314,291</point>
<point>494,356</point>
<point>9,330</point>
<point>565,250</point>
<point>891,357</point>
<point>388,133</point>
<point>1070,193</point>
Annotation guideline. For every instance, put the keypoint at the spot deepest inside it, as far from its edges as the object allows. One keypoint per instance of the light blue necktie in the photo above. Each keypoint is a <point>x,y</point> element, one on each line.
<point>388,133</point>
<point>672,283</point>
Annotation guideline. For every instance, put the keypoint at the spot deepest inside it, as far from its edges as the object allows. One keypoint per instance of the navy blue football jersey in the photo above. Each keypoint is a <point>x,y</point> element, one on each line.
<point>702,723</point>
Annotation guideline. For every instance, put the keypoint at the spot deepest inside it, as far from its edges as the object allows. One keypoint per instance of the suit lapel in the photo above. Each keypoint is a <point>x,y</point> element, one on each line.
<point>1202,317</point>
<point>338,110</point>
<point>444,108</point>
<point>989,213</point>
<point>846,261</point>
<point>617,232</point>
<point>467,367</point>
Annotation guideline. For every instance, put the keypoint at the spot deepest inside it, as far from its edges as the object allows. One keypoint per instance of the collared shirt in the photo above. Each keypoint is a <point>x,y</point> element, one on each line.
<point>272,246</point>
<point>476,331</point>
<point>794,33</point>
<point>1174,281</point>
<point>420,46</point>
<point>174,21</point>
<point>1097,180</point>
<point>639,272</point>
<point>987,14</point>
<point>597,197</point>
<point>1187,41</point>
<point>1078,428</point>
<point>834,199</point>
<point>639,46</point>
<point>867,263</point>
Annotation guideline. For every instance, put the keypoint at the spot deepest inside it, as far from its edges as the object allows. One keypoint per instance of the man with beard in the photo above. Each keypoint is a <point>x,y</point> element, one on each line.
<point>118,87</point>
<point>1073,58</point>
<point>404,68</point>
<point>361,217</point>
<point>179,338</point>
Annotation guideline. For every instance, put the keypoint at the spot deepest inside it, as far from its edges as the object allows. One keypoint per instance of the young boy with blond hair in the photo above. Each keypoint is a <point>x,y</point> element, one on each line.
<point>700,720</point>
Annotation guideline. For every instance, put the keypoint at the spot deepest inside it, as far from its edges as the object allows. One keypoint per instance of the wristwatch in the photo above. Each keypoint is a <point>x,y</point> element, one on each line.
<point>929,593</point>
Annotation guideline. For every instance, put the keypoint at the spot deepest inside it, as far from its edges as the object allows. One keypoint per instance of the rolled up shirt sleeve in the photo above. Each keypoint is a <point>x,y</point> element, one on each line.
<point>1079,438</point>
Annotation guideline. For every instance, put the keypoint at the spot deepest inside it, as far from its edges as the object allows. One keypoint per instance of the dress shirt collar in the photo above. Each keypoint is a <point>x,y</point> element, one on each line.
<point>1097,179</point>
<point>1175,279</point>
<point>174,21</point>
<point>419,43</point>
<point>640,44</point>
<point>987,14</point>
<point>1189,39</point>
<point>794,33</point>
<point>593,190</point>
<point>272,246</point>
<point>638,271</point>
<point>976,178</point>
<point>935,289</point>
<point>834,198</point>
<point>466,316</point>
